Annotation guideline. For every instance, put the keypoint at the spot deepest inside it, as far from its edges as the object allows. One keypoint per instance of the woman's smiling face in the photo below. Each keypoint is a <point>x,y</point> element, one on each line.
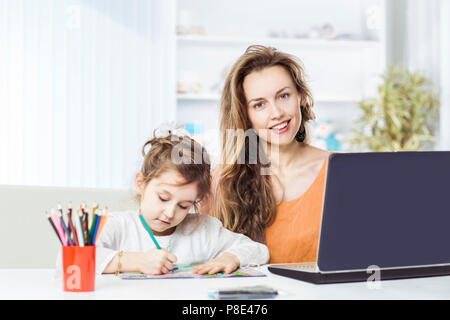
<point>273,104</point>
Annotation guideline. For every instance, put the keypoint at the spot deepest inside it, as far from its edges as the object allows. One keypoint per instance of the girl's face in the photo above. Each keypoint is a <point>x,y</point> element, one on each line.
<point>165,201</point>
<point>273,104</point>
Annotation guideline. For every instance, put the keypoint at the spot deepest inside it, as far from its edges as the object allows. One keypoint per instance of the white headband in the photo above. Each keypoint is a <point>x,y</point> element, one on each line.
<point>168,128</point>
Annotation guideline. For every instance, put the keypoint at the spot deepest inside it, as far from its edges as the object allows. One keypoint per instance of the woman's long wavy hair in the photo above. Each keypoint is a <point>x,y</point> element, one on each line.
<point>244,200</point>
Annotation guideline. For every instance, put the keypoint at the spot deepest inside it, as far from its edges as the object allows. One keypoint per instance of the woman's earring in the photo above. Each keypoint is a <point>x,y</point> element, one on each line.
<point>301,134</point>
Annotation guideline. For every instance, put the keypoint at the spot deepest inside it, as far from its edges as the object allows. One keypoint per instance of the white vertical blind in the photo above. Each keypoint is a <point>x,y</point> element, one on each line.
<point>83,83</point>
<point>445,75</point>
<point>423,37</point>
<point>428,40</point>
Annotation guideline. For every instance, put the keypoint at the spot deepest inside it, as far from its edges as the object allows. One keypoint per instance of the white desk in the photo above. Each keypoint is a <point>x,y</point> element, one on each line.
<point>42,284</point>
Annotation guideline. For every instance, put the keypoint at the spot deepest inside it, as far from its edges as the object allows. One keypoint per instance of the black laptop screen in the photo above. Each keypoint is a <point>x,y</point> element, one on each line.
<point>386,209</point>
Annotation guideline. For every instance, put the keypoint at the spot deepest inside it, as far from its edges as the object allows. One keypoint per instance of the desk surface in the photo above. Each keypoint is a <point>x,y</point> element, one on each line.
<point>42,284</point>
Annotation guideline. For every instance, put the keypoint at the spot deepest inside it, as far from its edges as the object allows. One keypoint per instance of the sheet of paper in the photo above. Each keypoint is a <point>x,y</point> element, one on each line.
<point>185,272</point>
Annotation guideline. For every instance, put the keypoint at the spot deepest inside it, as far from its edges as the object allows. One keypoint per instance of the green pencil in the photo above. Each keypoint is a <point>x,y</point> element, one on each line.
<point>149,232</point>
<point>91,231</point>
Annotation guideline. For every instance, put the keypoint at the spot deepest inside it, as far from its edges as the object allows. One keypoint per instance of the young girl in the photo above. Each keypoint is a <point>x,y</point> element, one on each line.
<point>175,176</point>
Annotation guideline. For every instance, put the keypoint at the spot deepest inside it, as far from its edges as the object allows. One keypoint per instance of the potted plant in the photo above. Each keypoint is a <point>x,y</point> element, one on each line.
<point>401,117</point>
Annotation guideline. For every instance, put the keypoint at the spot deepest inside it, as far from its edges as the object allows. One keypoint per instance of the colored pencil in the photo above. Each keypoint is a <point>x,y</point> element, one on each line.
<point>102,223</point>
<point>71,226</point>
<point>149,232</point>
<point>92,222</point>
<point>92,228</point>
<point>53,226</point>
<point>65,229</point>
<point>68,225</point>
<point>77,230</point>
<point>63,223</point>
<point>88,215</point>
<point>94,233</point>
<point>58,226</point>
<point>85,226</point>
<point>78,223</point>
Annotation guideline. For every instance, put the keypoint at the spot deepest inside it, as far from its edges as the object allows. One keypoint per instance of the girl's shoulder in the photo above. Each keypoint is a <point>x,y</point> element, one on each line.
<point>122,217</point>
<point>127,214</point>
<point>195,222</point>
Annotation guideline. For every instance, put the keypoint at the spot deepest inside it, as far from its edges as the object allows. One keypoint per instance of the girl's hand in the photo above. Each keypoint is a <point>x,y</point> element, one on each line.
<point>226,263</point>
<point>156,261</point>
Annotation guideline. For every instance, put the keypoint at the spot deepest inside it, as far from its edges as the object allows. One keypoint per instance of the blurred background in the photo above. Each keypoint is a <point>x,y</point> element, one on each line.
<point>83,83</point>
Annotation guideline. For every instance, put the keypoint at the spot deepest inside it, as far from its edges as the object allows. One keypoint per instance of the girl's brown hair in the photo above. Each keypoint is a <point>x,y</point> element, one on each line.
<point>182,154</point>
<point>244,200</point>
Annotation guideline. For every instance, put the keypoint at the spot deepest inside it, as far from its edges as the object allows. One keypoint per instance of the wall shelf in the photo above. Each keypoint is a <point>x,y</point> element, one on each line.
<point>198,97</point>
<point>200,40</point>
<point>340,72</point>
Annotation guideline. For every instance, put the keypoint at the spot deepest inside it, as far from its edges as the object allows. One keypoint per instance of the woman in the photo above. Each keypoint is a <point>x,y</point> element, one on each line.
<point>277,199</point>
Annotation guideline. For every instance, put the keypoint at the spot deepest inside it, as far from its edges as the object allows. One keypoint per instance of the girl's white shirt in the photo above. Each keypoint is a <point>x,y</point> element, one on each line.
<point>197,239</point>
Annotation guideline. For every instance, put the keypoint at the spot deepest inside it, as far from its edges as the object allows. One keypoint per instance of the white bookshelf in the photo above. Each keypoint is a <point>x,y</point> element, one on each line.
<point>208,40</point>
<point>198,97</point>
<point>339,72</point>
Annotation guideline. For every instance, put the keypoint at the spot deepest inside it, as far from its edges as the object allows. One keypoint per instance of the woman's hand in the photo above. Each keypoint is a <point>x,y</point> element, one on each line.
<point>156,261</point>
<point>226,263</point>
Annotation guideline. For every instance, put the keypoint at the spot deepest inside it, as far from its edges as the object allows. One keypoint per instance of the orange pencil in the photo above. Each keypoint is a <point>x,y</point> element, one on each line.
<point>91,218</point>
<point>103,218</point>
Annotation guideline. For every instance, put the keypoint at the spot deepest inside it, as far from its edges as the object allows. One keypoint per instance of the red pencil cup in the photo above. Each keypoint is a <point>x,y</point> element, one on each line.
<point>78,268</point>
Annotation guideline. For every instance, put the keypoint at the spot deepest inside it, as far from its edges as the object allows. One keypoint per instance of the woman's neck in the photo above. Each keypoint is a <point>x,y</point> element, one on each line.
<point>286,156</point>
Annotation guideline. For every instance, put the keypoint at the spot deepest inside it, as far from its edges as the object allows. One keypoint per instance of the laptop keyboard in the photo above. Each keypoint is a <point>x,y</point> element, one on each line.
<point>309,267</point>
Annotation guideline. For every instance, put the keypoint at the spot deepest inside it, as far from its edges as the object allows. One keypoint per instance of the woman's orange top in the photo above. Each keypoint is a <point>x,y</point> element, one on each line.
<point>294,234</point>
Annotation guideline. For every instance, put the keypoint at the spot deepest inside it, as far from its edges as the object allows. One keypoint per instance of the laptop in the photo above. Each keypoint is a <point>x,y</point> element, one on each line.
<point>385,215</point>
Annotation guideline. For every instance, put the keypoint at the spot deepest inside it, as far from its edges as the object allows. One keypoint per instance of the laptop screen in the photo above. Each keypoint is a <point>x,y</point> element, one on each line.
<point>385,209</point>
